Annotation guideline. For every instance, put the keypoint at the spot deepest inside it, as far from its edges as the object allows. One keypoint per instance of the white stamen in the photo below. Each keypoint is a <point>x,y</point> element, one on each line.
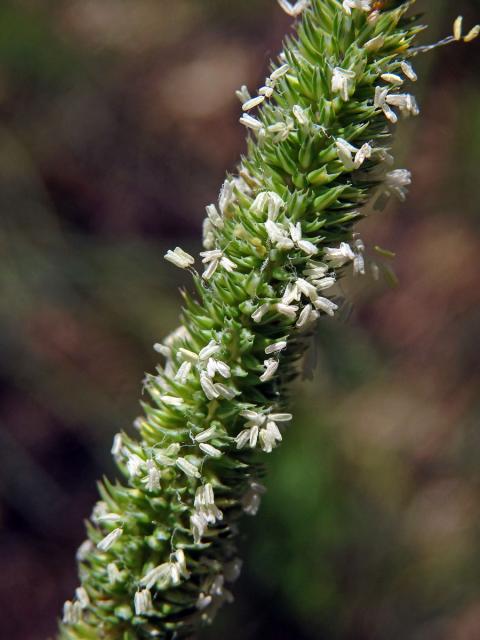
<point>287,310</point>
<point>250,122</point>
<point>457,28</point>
<point>271,366</point>
<point>316,270</point>
<point>270,436</point>
<point>179,333</point>
<point>183,372</point>
<point>232,570</point>
<point>252,498</point>
<point>291,294</point>
<point>243,94</point>
<point>380,101</point>
<point>82,597</point>
<point>134,464</point>
<point>252,103</point>
<point>408,71</point>
<point>472,34</point>
<point>281,130</point>
<point>304,245</point>
<point>210,350</point>
<point>110,517</point>
<point>301,115</point>
<point>172,401</point>
<point>100,509</point>
<point>392,78</point>
<point>362,154</point>
<point>187,355</point>
<point>294,10</point>
<point>109,540</point>
<point>295,231</point>
<point>362,5</point>
<point>258,205</point>
<point>342,82</point>
<point>277,235</point>
<point>324,283</point>
<point>359,264</point>
<point>307,247</point>
<point>206,435</point>
<point>181,563</point>
<point>84,550</point>
<point>208,234</point>
<point>227,196</point>
<point>180,258</point>
<point>211,368</point>
<point>339,256</point>
<point>210,270</point>
<point>325,305</point>
<point>143,602</point>
<point>210,450</point>
<point>307,317</point>
<point>214,217</point>
<point>152,480</point>
<point>208,387</point>
<point>243,438</point>
<point>253,439</point>
<point>203,601</point>
<point>270,198</point>
<point>225,392</point>
<point>404,101</point>
<point>114,575</point>
<point>221,367</point>
<point>359,243</point>
<point>205,504</point>
<point>276,347</point>
<point>198,524</point>
<point>279,72</point>
<point>163,349</point>
<point>345,151</point>
<point>227,264</point>
<point>266,91</point>
<point>390,114</point>
<point>213,259</point>
<point>117,445</point>
<point>165,457</point>
<point>396,182</point>
<point>307,289</point>
<point>187,467</point>
<point>281,417</point>
<point>72,613</point>
<point>253,416</point>
<point>375,43</point>
<point>380,95</point>
<point>162,576</point>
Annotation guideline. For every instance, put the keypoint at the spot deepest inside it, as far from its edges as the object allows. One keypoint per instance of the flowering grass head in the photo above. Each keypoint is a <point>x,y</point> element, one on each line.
<point>161,552</point>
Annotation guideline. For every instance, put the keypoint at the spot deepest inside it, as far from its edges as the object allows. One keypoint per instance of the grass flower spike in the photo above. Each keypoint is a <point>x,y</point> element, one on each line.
<point>161,553</point>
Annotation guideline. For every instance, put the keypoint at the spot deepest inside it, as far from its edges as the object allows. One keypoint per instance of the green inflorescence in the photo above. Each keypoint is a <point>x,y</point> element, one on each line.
<point>161,547</point>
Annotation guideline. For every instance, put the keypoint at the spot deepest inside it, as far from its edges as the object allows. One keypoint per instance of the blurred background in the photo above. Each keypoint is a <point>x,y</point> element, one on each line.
<point>117,123</point>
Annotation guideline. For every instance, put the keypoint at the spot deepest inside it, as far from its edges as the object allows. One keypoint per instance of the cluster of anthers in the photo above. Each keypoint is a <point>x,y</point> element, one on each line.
<point>267,277</point>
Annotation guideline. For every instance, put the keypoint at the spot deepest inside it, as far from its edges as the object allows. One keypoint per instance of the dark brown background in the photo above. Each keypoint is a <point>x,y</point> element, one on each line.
<point>117,123</point>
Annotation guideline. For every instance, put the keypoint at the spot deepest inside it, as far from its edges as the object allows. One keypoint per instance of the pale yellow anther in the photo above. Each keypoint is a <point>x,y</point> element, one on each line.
<point>457,28</point>
<point>472,34</point>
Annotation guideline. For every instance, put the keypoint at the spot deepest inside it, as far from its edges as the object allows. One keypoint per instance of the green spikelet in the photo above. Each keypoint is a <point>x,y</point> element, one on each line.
<point>161,552</point>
